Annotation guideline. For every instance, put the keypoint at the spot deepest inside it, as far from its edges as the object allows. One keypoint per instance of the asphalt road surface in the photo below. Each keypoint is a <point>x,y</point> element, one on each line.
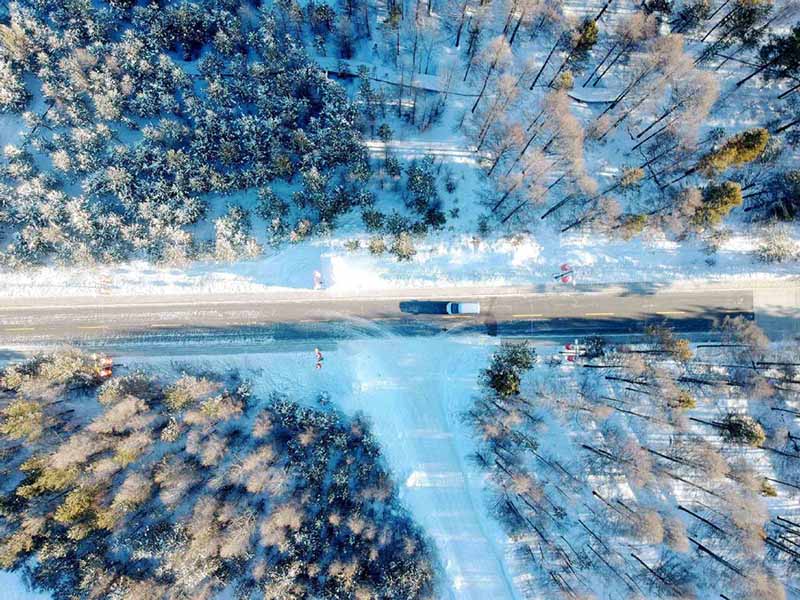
<point>504,312</point>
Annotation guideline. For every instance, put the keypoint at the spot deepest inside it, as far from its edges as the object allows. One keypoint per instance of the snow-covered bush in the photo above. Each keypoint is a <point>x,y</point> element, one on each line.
<point>507,366</point>
<point>232,236</point>
<point>13,94</point>
<point>777,246</point>
<point>743,429</point>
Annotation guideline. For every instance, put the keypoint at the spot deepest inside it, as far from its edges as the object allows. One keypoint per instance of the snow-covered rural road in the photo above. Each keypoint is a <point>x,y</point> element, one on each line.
<point>532,310</point>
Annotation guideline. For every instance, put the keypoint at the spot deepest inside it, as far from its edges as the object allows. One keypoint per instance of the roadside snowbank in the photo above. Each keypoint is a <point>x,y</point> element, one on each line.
<point>446,260</point>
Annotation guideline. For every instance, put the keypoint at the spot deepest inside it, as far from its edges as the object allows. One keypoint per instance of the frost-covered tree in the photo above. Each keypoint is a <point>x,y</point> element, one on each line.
<point>13,93</point>
<point>232,236</point>
<point>718,201</point>
<point>212,488</point>
<point>147,141</point>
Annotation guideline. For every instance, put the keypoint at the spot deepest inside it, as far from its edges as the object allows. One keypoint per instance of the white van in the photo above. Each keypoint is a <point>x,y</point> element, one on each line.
<point>463,308</point>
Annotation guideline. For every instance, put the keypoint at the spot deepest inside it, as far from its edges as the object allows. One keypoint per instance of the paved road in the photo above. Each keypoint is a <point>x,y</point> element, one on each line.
<point>504,311</point>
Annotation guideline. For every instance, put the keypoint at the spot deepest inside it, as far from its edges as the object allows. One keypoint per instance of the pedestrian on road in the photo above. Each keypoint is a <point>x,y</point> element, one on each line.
<point>320,358</point>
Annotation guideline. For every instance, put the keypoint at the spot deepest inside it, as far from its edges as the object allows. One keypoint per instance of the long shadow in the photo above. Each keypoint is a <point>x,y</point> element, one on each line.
<point>280,336</point>
<point>423,307</point>
<point>7,355</point>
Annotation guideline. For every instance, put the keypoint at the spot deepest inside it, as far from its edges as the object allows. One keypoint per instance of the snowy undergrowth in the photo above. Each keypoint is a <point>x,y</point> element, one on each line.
<point>665,470</point>
<point>443,260</point>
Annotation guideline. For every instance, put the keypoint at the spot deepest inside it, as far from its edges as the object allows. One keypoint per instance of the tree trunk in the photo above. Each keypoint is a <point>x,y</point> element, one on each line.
<point>663,116</point>
<point>461,23</point>
<point>627,90</point>
<point>789,91</point>
<point>516,28</point>
<point>509,17</point>
<point>603,10</point>
<point>505,196</point>
<point>716,557</point>
<point>652,135</point>
<point>400,92</point>
<point>546,60</point>
<point>513,212</point>
<point>720,22</point>
<point>522,152</point>
<point>704,520</point>
<point>466,73</point>
<point>754,73</point>
<point>555,207</point>
<point>600,64</point>
<point>556,182</point>
<point>589,215</point>
<point>483,87</point>
<point>611,568</point>
<point>783,128</point>
<point>496,162</point>
<point>622,117</point>
<point>653,573</point>
<point>619,55</point>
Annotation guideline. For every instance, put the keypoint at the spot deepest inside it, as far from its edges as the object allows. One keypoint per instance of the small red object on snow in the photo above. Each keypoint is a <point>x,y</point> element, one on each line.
<point>566,267</point>
<point>568,346</point>
<point>571,358</point>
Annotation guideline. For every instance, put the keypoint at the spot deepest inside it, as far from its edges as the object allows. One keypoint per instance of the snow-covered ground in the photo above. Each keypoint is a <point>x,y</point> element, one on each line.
<point>413,391</point>
<point>13,588</point>
<point>440,261</point>
<point>456,255</point>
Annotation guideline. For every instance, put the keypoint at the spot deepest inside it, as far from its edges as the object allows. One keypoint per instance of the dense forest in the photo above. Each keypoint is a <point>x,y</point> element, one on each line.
<point>176,130</point>
<point>143,119</point>
<point>139,488</point>
<point>663,469</point>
